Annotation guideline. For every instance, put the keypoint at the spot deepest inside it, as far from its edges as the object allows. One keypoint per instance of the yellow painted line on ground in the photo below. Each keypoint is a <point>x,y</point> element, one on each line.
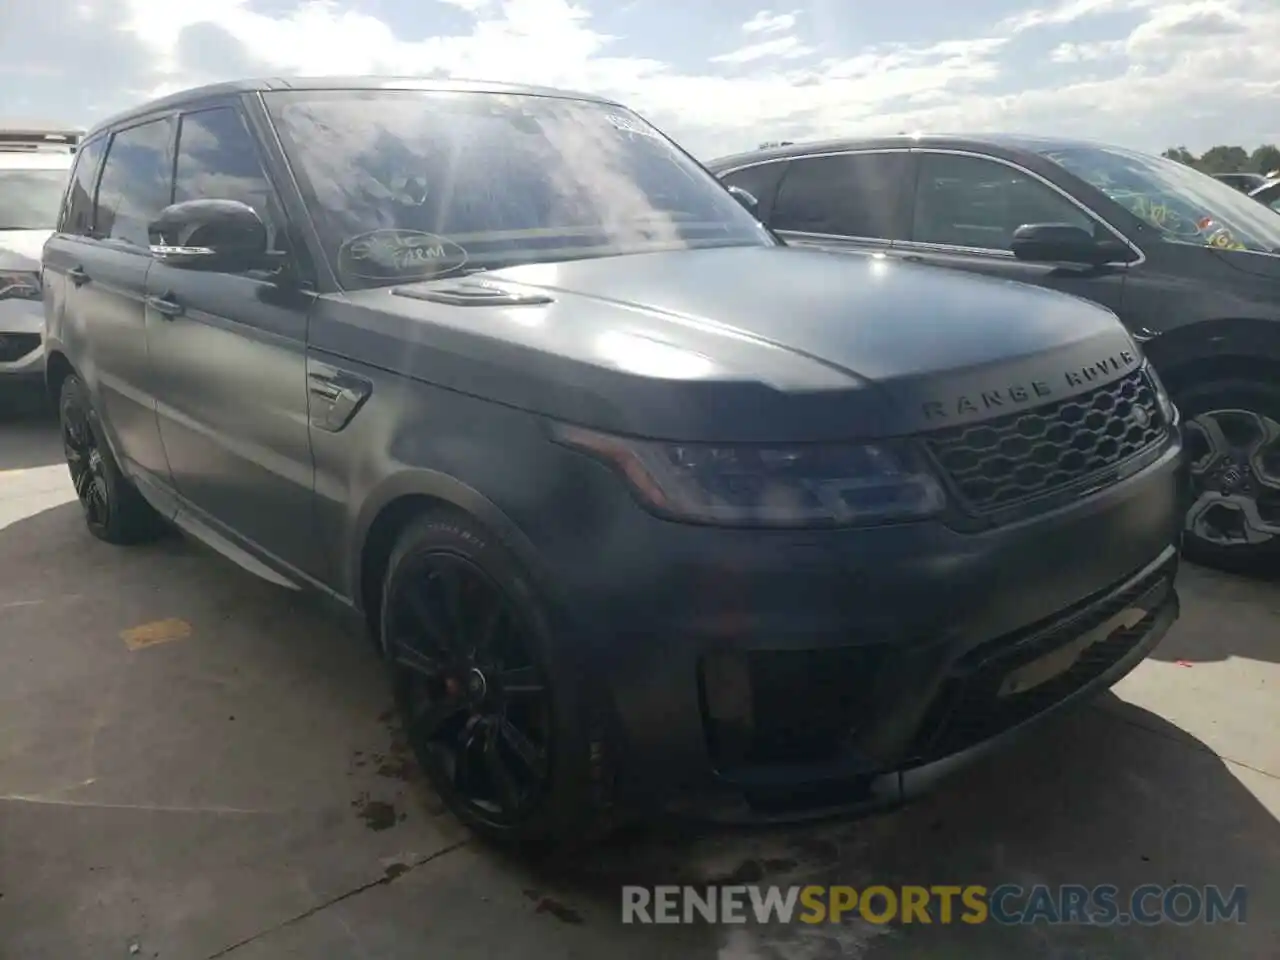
<point>158,631</point>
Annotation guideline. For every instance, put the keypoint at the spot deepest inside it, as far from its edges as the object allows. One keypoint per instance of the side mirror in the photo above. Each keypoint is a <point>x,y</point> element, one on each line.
<point>218,235</point>
<point>746,199</point>
<point>1062,243</point>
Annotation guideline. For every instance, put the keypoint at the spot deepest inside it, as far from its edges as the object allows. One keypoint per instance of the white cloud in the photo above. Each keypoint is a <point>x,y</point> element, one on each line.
<point>1176,77</point>
<point>1068,11</point>
<point>768,22</point>
<point>788,47</point>
<point>1085,52</point>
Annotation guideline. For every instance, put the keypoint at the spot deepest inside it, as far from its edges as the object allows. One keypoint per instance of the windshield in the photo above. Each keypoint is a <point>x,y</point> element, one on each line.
<point>30,199</point>
<point>414,185</point>
<point>1184,205</point>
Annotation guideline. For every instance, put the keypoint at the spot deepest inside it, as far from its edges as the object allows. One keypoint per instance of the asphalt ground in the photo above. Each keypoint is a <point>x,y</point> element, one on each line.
<point>196,764</point>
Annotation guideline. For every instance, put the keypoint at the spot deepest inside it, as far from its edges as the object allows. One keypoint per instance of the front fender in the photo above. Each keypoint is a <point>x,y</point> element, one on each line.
<point>416,482</point>
<point>1212,342</point>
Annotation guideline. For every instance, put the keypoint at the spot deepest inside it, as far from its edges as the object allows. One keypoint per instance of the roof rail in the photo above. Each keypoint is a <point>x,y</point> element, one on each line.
<point>31,139</point>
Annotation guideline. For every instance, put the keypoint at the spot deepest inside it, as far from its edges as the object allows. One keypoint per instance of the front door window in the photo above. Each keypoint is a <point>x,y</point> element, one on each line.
<point>966,201</point>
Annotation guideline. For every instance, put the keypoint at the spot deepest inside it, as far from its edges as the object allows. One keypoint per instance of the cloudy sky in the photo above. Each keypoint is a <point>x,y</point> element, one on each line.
<point>720,75</point>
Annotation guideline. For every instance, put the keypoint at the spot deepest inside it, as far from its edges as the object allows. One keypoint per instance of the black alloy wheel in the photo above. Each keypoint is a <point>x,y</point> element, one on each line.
<point>114,510</point>
<point>476,706</point>
<point>85,462</point>
<point>1232,434</point>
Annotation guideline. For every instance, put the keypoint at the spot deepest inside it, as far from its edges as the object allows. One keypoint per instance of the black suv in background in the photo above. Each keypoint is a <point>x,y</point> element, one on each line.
<point>1268,194</point>
<point>1189,264</point>
<point>642,506</point>
<point>1244,182</point>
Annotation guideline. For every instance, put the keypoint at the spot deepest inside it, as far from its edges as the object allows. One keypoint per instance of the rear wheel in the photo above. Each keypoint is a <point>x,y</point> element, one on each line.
<point>114,511</point>
<point>490,707</point>
<point>1232,432</point>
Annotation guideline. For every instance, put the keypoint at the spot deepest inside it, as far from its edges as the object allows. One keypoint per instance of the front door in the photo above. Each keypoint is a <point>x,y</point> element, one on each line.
<point>228,351</point>
<point>965,213</point>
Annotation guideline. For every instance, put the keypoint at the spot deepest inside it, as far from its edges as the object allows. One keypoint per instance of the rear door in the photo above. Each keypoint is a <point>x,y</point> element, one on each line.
<point>98,263</point>
<point>967,207</point>
<point>71,236</point>
<point>853,200</point>
<point>228,350</point>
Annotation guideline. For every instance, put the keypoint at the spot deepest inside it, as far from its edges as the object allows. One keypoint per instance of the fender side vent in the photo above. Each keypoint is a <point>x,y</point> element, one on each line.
<point>473,295</point>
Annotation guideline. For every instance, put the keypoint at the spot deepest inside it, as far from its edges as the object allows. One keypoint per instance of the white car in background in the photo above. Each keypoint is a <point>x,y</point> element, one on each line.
<point>34,167</point>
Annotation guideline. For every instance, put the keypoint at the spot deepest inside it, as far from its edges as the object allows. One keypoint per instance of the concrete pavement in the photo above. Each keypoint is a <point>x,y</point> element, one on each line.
<point>196,764</point>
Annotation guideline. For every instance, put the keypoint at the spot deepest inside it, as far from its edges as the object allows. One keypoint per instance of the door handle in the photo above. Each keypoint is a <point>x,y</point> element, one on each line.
<point>78,275</point>
<point>165,307</point>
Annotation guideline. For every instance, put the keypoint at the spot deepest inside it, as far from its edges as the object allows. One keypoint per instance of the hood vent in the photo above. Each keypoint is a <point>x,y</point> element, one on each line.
<point>473,294</point>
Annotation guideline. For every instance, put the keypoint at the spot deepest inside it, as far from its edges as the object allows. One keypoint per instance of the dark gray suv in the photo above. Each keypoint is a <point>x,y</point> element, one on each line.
<point>644,509</point>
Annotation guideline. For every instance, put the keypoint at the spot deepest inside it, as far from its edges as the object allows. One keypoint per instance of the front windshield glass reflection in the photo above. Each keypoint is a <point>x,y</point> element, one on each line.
<point>413,185</point>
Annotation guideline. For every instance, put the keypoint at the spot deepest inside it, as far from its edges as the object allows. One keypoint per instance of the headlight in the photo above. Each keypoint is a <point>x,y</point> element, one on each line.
<point>19,285</point>
<point>769,485</point>
<point>1162,397</point>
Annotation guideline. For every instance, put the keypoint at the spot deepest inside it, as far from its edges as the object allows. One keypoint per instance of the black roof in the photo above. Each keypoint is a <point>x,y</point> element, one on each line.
<point>260,85</point>
<point>999,141</point>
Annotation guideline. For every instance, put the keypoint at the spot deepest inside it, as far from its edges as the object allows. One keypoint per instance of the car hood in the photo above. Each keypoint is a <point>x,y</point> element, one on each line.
<point>746,343</point>
<point>22,249</point>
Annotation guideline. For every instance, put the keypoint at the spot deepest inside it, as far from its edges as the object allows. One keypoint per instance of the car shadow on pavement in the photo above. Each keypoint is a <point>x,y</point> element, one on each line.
<point>1109,794</point>
<point>1095,798</point>
<point>1224,615</point>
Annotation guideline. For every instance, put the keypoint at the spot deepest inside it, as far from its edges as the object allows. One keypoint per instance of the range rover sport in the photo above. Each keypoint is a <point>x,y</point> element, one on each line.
<point>643,508</point>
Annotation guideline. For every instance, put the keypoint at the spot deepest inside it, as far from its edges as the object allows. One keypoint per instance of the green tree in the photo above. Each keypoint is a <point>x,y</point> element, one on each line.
<point>1181,154</point>
<point>1265,159</point>
<point>1223,159</point>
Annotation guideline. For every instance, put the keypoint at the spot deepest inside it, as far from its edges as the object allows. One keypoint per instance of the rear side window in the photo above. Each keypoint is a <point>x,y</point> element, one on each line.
<point>77,213</point>
<point>217,157</point>
<point>135,183</point>
<point>761,181</point>
<point>850,195</point>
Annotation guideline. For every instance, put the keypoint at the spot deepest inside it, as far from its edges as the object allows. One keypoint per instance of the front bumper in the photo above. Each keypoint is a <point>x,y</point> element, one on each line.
<point>1108,637</point>
<point>21,339</point>
<point>769,675</point>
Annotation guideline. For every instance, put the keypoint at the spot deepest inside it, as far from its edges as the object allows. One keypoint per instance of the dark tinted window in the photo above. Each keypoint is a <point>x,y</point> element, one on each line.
<point>853,195</point>
<point>761,181</point>
<point>135,184</point>
<point>972,202</point>
<point>218,160</point>
<point>417,184</point>
<point>77,216</point>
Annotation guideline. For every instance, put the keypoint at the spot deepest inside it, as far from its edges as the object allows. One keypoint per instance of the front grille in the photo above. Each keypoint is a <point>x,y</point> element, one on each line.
<point>1031,453</point>
<point>15,346</point>
<point>969,709</point>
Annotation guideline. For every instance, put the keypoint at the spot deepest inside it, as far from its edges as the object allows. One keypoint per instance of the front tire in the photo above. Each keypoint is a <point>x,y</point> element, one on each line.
<point>114,510</point>
<point>1232,432</point>
<point>493,710</point>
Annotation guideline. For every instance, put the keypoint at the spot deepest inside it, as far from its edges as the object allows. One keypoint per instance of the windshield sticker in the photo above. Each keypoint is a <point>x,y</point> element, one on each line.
<point>400,255</point>
<point>1157,213</point>
<point>631,125</point>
